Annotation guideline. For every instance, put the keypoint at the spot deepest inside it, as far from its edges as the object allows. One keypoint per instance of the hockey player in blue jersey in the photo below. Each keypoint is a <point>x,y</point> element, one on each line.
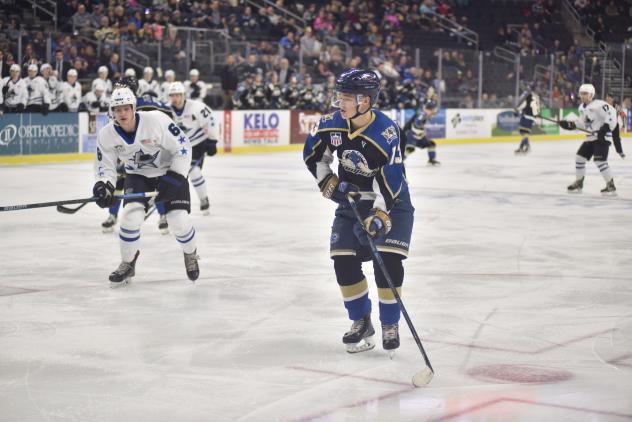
<point>367,145</point>
<point>528,107</point>
<point>415,130</point>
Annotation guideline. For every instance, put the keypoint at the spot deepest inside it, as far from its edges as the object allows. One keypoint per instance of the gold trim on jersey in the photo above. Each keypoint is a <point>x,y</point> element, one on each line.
<point>342,252</point>
<point>313,150</point>
<point>378,146</point>
<point>386,295</point>
<point>330,129</point>
<point>360,129</point>
<point>393,195</point>
<point>354,291</point>
<point>390,249</point>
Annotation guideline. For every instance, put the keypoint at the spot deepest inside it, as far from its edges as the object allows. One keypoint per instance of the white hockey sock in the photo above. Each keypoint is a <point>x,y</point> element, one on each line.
<point>198,182</point>
<point>604,168</point>
<point>580,166</point>
<point>181,226</point>
<point>129,231</point>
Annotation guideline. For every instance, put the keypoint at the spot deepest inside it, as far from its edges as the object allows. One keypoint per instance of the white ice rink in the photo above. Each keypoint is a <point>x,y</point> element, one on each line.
<point>521,293</point>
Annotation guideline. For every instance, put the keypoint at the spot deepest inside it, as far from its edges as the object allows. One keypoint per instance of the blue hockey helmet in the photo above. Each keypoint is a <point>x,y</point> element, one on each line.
<point>358,81</point>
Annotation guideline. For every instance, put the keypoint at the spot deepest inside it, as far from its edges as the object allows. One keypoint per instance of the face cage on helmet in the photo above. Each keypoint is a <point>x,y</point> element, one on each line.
<point>335,99</point>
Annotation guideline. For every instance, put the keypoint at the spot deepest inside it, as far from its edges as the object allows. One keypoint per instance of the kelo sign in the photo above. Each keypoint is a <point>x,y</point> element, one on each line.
<point>30,133</point>
<point>260,127</point>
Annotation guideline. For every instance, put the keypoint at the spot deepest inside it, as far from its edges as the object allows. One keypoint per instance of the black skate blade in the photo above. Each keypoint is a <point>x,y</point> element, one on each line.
<point>423,377</point>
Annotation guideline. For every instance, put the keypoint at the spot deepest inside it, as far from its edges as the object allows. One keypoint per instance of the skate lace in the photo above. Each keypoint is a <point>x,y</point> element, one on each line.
<point>122,268</point>
<point>389,332</point>
<point>357,326</point>
<point>190,261</point>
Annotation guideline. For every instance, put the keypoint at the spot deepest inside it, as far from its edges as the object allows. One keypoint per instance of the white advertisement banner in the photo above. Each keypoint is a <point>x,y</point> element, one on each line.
<point>260,127</point>
<point>469,123</point>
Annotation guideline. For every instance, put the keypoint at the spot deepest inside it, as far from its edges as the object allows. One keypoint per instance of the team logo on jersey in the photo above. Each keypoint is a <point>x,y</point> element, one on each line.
<point>354,162</point>
<point>147,142</point>
<point>143,160</point>
<point>326,117</point>
<point>390,134</point>
<point>336,139</point>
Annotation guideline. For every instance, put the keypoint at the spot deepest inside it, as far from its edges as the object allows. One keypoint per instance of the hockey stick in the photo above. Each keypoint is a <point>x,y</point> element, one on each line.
<point>68,210</point>
<point>74,201</point>
<point>424,376</point>
<point>558,122</point>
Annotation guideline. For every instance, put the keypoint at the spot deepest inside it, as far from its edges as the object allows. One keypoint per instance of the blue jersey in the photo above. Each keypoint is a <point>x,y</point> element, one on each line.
<point>370,157</point>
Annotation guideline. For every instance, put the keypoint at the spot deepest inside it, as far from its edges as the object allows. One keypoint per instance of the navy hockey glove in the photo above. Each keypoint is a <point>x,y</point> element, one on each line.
<point>378,223</point>
<point>104,192</point>
<point>211,147</point>
<point>603,130</point>
<point>337,191</point>
<point>44,109</point>
<point>169,186</point>
<point>20,108</point>
<point>567,124</point>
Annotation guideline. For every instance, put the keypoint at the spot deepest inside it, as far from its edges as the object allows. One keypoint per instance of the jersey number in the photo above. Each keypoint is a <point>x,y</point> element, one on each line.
<point>205,112</point>
<point>175,130</point>
<point>605,108</point>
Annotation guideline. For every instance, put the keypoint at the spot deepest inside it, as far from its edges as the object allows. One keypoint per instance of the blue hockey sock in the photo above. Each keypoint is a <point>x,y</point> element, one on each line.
<point>115,208</point>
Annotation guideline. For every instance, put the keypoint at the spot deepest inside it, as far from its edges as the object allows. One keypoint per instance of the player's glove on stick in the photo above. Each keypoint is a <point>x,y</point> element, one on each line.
<point>378,223</point>
<point>567,124</point>
<point>169,185</point>
<point>336,190</point>
<point>104,192</point>
<point>211,147</point>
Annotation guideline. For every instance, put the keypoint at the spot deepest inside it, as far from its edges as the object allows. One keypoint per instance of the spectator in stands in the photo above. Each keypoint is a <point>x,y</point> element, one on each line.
<point>285,73</point>
<point>310,45</point>
<point>250,66</point>
<point>4,66</point>
<point>114,67</point>
<point>82,21</point>
<point>107,34</point>
<point>60,66</point>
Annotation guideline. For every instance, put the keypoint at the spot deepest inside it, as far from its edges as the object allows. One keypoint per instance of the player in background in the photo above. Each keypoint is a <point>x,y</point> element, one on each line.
<point>597,117</point>
<point>616,133</point>
<point>148,85</point>
<point>528,107</point>
<point>102,80</point>
<point>195,88</point>
<point>39,97</point>
<point>97,100</point>
<point>14,91</point>
<point>415,130</point>
<point>367,145</point>
<point>198,122</point>
<point>157,156</point>
<point>144,103</point>
<point>170,77</point>
<point>70,92</point>
<point>52,85</point>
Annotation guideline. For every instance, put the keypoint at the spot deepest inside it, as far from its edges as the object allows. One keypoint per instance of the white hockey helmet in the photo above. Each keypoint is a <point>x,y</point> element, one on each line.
<point>176,88</point>
<point>14,67</point>
<point>170,74</point>
<point>588,89</point>
<point>148,70</point>
<point>122,96</point>
<point>72,72</point>
<point>194,72</point>
<point>33,67</point>
<point>45,66</point>
<point>130,72</point>
<point>103,69</point>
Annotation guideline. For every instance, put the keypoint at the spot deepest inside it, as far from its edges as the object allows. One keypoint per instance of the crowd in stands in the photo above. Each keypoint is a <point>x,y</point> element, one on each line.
<point>293,57</point>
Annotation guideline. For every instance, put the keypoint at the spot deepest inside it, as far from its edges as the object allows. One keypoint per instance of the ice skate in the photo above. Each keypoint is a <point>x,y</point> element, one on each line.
<point>519,151</point>
<point>359,338</point>
<point>124,273</point>
<point>609,190</point>
<point>163,226</point>
<point>577,186</point>
<point>433,162</point>
<point>390,338</point>
<point>191,265</point>
<point>204,206</point>
<point>108,225</point>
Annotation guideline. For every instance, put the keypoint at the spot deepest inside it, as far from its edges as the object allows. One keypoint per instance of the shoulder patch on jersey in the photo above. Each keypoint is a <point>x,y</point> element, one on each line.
<point>336,138</point>
<point>326,117</point>
<point>390,134</point>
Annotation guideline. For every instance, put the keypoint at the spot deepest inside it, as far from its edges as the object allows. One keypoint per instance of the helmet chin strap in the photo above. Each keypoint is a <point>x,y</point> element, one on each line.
<point>358,114</point>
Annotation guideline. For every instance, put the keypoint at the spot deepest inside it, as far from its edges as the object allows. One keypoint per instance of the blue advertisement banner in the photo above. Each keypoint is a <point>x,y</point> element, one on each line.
<point>435,128</point>
<point>32,133</point>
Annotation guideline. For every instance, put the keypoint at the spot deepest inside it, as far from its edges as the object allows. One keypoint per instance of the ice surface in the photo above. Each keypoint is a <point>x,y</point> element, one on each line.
<point>521,293</point>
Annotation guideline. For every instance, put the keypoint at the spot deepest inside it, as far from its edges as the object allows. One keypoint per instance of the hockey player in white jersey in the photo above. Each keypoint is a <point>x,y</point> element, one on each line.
<point>103,80</point>
<point>148,85</point>
<point>170,77</point>
<point>198,122</point>
<point>96,100</point>
<point>70,92</point>
<point>599,119</point>
<point>53,86</point>
<point>195,88</point>
<point>39,96</point>
<point>528,107</point>
<point>157,156</point>
<point>14,91</point>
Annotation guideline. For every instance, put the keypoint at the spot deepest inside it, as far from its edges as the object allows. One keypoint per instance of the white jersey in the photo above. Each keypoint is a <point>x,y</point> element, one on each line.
<point>195,91</point>
<point>106,84</point>
<point>151,87</point>
<point>71,95</point>
<point>54,91</point>
<point>94,104</point>
<point>594,115</point>
<point>164,92</point>
<point>37,90</point>
<point>197,121</point>
<point>533,105</point>
<point>14,93</point>
<point>156,147</point>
